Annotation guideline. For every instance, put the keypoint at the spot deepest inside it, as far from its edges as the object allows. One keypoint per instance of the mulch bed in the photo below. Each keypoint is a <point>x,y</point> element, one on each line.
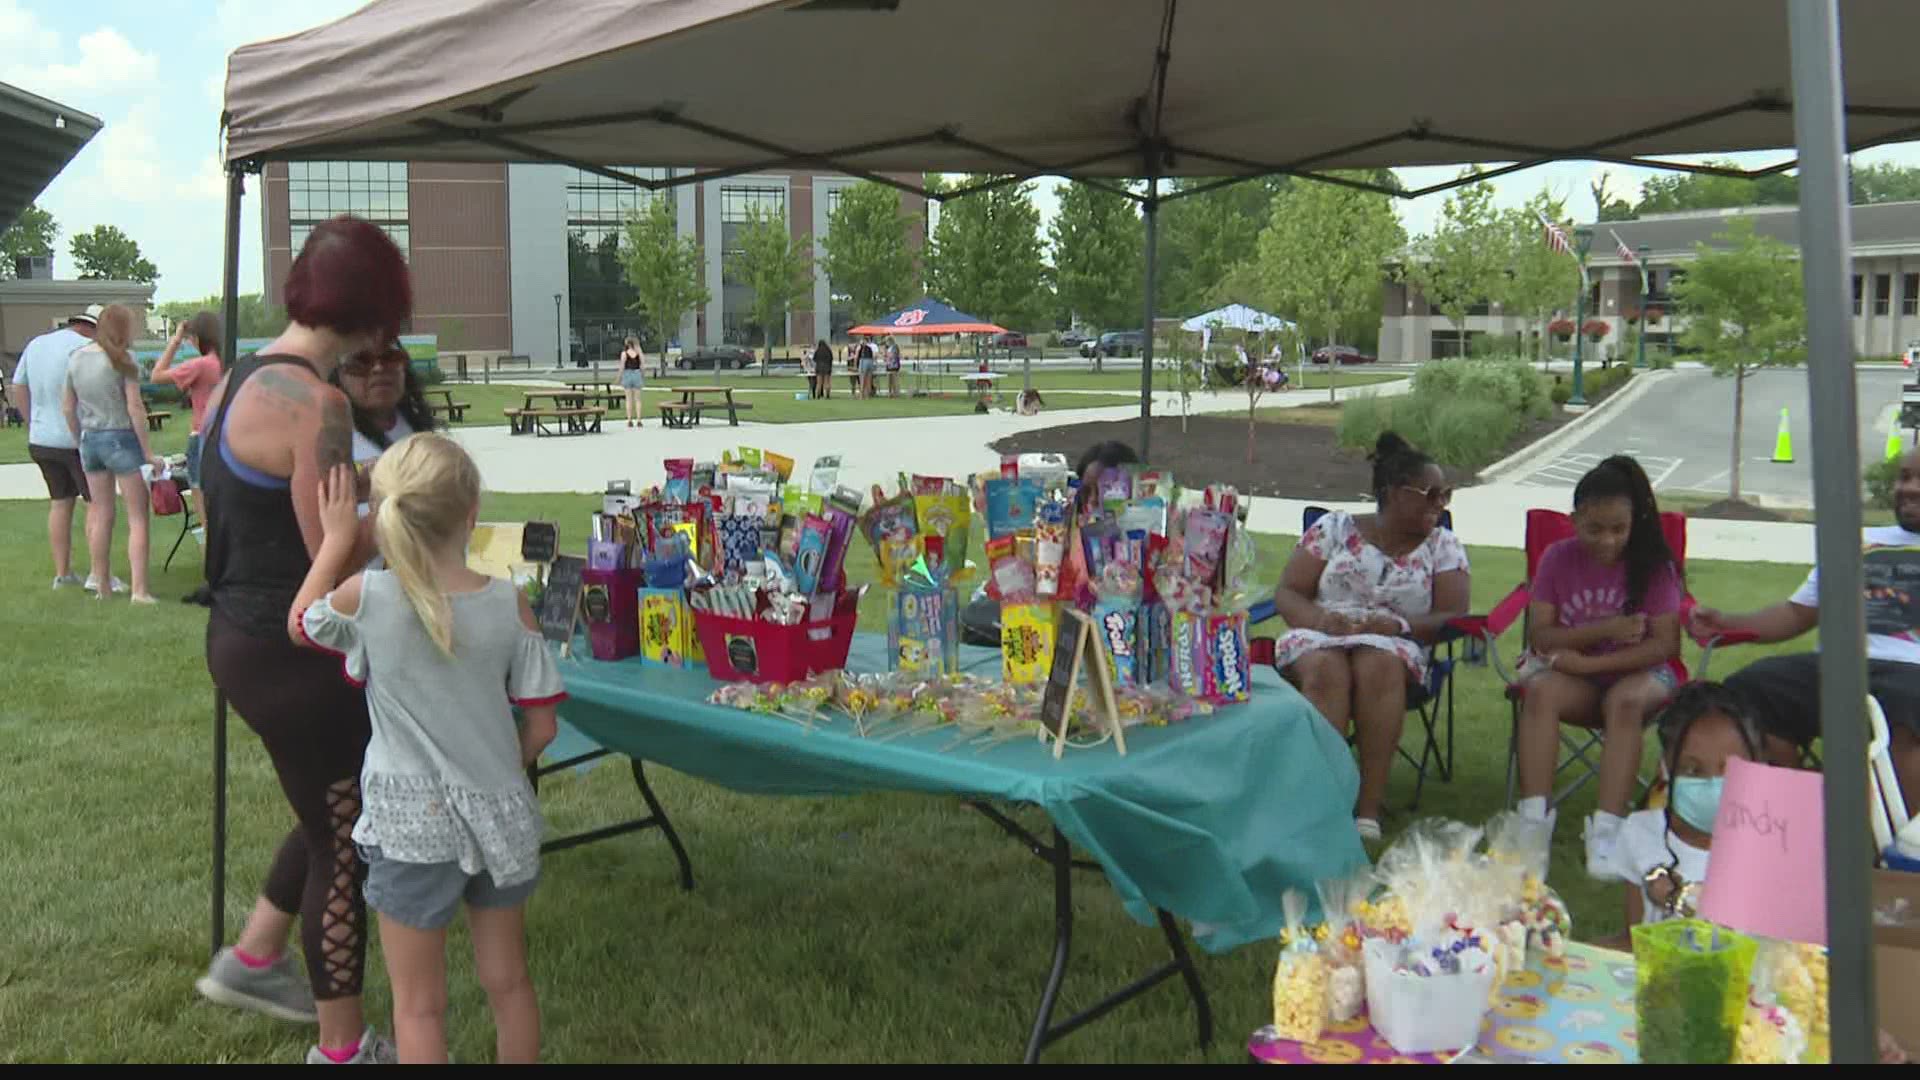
<point>1291,461</point>
<point>1737,510</point>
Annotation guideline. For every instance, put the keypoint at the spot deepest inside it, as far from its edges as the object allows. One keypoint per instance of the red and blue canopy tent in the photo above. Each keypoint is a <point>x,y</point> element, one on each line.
<point>929,317</point>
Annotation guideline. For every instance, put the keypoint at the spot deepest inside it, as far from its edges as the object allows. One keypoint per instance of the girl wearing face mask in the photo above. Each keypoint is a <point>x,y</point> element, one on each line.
<point>1603,639</point>
<point>1662,854</point>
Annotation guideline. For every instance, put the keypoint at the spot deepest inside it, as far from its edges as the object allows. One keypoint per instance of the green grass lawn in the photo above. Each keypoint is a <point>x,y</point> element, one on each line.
<point>869,928</point>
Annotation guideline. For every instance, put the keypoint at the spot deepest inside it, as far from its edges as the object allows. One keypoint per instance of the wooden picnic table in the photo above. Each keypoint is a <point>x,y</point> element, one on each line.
<point>686,413</point>
<point>455,410</point>
<point>157,420</point>
<point>562,399</point>
<point>610,392</point>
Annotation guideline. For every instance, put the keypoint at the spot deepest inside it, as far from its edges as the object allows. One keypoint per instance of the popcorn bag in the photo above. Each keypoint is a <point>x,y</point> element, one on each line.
<point>1341,902</point>
<point>1300,980</point>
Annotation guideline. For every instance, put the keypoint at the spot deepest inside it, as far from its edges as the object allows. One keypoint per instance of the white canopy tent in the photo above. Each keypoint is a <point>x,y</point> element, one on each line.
<point>1103,89</point>
<point>1237,317</point>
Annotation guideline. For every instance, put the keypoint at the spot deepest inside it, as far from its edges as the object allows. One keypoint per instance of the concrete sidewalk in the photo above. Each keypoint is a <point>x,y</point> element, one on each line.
<point>877,451</point>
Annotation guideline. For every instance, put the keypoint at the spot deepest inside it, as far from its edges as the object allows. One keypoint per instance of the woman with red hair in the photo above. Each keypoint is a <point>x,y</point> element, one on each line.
<point>276,428</point>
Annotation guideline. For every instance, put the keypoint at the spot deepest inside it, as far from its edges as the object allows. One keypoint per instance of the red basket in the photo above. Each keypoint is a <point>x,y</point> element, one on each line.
<point>755,650</point>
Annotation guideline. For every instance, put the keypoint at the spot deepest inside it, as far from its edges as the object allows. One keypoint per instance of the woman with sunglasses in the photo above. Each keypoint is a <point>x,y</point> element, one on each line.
<point>1365,596</point>
<point>389,404</point>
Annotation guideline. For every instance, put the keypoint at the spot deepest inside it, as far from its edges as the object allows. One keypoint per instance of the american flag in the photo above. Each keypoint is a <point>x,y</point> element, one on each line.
<point>1620,247</point>
<point>1556,237</point>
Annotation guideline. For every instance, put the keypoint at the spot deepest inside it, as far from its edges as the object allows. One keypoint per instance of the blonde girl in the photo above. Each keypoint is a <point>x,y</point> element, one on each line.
<point>108,419</point>
<point>447,814</point>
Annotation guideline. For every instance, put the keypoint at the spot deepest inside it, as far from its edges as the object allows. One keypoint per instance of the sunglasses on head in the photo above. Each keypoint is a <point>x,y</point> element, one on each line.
<point>1439,495</point>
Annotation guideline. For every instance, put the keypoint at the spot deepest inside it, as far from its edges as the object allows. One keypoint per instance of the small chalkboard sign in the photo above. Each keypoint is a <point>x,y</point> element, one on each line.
<point>540,541</point>
<point>1076,648</point>
<point>560,604</point>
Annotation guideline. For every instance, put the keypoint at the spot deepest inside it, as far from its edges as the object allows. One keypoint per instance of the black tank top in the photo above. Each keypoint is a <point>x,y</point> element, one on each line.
<point>256,555</point>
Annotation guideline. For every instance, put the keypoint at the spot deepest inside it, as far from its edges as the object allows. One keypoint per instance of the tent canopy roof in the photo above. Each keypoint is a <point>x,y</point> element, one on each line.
<point>1236,317</point>
<point>742,85</point>
<point>37,139</point>
<point>926,316</point>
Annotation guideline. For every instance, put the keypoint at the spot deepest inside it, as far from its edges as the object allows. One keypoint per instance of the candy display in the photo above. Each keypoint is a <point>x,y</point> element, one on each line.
<point>1300,981</point>
<point>978,713</point>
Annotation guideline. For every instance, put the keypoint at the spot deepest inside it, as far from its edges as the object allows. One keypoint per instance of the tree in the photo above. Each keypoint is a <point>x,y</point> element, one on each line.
<point>1744,308</point>
<point>867,257</point>
<point>1463,262</point>
<point>1319,258</point>
<point>1539,279</point>
<point>106,253</point>
<point>1885,182</point>
<point>1098,267</point>
<point>769,262</point>
<point>1671,192</point>
<point>665,269</point>
<point>1204,237</point>
<point>258,319</point>
<point>30,236</point>
<point>986,255</point>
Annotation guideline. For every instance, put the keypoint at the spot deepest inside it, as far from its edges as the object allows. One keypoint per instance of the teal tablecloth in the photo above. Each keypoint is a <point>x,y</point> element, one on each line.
<point>1211,819</point>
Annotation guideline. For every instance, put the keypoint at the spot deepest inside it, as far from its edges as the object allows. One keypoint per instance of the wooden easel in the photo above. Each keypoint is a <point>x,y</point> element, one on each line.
<point>1078,644</point>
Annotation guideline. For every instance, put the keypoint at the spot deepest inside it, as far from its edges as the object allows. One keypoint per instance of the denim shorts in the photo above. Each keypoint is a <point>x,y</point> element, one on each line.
<point>193,460</point>
<point>632,380</point>
<point>425,896</point>
<point>116,451</point>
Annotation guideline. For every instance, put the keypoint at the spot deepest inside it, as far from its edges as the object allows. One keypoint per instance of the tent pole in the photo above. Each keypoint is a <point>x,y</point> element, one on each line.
<point>1150,209</point>
<point>229,347</point>
<point>1814,26</point>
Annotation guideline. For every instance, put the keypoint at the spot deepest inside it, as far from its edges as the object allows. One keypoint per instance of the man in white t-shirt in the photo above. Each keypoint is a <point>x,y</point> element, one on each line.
<point>1784,691</point>
<point>39,380</point>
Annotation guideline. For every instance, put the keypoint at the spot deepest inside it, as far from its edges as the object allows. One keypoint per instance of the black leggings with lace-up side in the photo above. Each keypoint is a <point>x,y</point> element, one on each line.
<point>314,725</point>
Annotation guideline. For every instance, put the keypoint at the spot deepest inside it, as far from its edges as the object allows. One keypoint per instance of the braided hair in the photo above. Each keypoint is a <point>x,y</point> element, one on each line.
<point>1621,477</point>
<point>1395,462</point>
<point>1690,704</point>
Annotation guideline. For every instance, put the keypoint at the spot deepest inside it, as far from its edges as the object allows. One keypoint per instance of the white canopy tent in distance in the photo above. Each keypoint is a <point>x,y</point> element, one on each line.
<point>1127,93</point>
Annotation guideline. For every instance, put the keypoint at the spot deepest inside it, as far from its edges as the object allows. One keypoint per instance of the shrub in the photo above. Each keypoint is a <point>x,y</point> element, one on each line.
<point>1562,391</point>
<point>430,374</point>
<point>1880,480</point>
<point>1468,433</point>
<point>1362,419</point>
<point>1507,380</point>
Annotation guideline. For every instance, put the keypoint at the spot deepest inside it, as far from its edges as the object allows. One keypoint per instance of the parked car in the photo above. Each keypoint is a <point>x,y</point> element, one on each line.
<point>1071,337</point>
<point>1008,339</point>
<point>1347,354</point>
<point>1116,343</point>
<point>717,357</point>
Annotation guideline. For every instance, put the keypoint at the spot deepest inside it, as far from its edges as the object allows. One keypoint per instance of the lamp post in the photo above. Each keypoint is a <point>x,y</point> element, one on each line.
<point>1584,234</point>
<point>1646,297</point>
<point>559,337</point>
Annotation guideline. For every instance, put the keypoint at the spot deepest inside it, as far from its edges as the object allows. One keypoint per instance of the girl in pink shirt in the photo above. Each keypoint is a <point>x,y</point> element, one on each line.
<point>196,378</point>
<point>1603,642</point>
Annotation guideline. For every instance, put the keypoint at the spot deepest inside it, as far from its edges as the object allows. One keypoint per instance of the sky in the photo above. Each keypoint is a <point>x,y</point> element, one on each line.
<point>153,70</point>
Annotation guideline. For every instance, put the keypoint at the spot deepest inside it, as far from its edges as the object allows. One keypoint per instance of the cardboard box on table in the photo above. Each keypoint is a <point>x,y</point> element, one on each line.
<point>1896,958</point>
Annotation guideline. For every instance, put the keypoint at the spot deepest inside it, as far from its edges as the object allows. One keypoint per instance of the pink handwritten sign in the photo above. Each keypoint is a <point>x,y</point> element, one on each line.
<point>1768,871</point>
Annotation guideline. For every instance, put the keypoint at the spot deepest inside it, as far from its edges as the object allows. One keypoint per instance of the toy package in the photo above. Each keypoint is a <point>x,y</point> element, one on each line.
<point>666,627</point>
<point>923,629</point>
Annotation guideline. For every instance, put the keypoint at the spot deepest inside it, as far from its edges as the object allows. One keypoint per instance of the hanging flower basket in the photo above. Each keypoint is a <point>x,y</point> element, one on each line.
<point>1654,314</point>
<point>1561,328</point>
<point>1595,329</point>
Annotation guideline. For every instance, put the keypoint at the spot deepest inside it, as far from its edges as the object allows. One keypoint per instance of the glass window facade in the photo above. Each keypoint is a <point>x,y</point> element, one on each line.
<point>599,300</point>
<point>374,190</point>
<point>737,203</point>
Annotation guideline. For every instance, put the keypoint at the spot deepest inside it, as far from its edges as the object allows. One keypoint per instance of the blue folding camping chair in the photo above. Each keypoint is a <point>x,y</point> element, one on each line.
<point>1432,701</point>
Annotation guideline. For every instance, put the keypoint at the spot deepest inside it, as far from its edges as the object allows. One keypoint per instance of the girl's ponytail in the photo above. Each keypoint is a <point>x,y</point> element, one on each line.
<point>425,490</point>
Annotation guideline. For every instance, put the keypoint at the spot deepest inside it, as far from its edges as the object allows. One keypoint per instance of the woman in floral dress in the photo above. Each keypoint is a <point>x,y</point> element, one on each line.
<point>1364,596</point>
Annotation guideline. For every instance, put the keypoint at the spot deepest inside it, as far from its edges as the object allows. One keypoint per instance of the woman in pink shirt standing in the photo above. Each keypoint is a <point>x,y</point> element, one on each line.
<point>1604,643</point>
<point>196,378</point>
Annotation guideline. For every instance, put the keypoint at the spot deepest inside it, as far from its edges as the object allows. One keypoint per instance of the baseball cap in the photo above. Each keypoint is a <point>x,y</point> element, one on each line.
<point>91,316</point>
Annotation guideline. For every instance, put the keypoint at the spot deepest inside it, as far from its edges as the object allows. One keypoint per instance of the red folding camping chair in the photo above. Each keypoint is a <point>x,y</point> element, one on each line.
<point>1432,701</point>
<point>1544,529</point>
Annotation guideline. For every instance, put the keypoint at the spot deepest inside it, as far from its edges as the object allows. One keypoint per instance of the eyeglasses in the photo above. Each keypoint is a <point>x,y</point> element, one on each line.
<point>363,364</point>
<point>1438,495</point>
